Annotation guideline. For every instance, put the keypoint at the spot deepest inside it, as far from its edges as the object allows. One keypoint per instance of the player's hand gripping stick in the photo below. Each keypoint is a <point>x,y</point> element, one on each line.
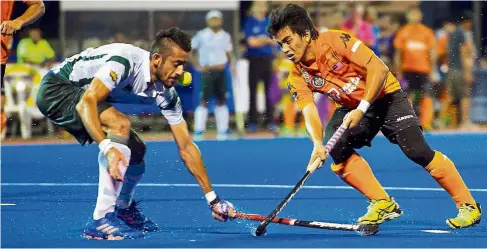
<point>261,229</point>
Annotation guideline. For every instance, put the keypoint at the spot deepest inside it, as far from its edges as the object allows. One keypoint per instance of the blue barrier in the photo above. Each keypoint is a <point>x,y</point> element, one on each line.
<point>478,110</point>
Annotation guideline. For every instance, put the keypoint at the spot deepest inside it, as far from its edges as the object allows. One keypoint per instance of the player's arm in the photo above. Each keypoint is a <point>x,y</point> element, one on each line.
<point>113,72</point>
<point>49,54</point>
<point>35,10</point>
<point>87,109</point>
<point>255,41</point>
<point>190,154</point>
<point>171,109</point>
<point>230,55</point>
<point>303,96</point>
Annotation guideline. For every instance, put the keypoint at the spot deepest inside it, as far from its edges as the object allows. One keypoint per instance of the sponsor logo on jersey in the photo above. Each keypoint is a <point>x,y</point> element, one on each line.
<point>306,75</point>
<point>415,45</point>
<point>345,38</point>
<point>352,85</point>
<point>114,76</point>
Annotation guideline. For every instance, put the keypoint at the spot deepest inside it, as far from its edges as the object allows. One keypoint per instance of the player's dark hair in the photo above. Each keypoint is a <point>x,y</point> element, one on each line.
<point>293,16</point>
<point>169,37</point>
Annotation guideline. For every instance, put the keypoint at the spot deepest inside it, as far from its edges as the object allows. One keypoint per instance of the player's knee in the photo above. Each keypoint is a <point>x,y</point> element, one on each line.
<point>341,153</point>
<point>414,146</point>
<point>138,148</point>
<point>421,156</point>
<point>338,168</point>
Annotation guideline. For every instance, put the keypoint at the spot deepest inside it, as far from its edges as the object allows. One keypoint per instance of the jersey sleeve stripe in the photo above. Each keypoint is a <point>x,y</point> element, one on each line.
<point>172,104</point>
<point>122,61</point>
<point>355,46</point>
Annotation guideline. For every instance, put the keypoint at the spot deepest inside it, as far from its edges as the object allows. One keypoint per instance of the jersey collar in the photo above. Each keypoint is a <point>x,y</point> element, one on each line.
<point>313,67</point>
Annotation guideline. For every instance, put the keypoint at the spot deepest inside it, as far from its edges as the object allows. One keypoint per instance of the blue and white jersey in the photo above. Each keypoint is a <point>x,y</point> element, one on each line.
<point>125,70</point>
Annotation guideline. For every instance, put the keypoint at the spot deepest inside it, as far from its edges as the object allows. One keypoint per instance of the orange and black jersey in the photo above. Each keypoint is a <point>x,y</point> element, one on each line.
<point>339,72</point>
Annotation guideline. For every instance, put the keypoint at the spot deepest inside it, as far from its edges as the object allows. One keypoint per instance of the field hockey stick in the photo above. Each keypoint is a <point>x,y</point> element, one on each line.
<point>364,230</point>
<point>261,229</point>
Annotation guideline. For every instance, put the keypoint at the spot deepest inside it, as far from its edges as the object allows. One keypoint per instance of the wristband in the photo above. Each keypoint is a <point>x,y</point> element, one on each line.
<point>211,197</point>
<point>363,106</point>
<point>105,145</point>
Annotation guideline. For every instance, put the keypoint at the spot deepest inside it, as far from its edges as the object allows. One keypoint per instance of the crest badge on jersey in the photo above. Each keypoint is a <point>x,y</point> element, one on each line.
<point>318,82</point>
<point>114,76</point>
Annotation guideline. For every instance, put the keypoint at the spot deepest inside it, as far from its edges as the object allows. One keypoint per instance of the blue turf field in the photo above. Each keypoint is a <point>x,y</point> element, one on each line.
<point>54,215</point>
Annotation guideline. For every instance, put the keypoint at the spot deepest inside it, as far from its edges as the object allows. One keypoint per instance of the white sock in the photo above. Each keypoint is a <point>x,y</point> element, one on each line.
<point>221,116</point>
<point>108,189</point>
<point>200,117</point>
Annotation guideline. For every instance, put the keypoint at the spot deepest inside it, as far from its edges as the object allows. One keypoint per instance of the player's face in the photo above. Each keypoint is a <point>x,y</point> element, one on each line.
<point>293,45</point>
<point>171,68</point>
<point>214,23</point>
<point>35,34</point>
<point>415,16</point>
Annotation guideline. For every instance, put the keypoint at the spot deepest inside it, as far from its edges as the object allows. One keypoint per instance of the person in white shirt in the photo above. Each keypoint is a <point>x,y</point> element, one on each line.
<point>214,47</point>
<point>77,96</point>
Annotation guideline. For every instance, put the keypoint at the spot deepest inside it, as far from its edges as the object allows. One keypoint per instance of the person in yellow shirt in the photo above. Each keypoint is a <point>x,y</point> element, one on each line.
<point>35,50</point>
<point>290,110</point>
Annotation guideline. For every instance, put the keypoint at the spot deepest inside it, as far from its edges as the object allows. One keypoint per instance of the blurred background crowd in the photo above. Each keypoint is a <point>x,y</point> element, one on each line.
<point>438,51</point>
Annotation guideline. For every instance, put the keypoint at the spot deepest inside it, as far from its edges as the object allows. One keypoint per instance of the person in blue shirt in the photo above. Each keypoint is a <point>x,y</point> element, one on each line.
<point>371,17</point>
<point>260,53</point>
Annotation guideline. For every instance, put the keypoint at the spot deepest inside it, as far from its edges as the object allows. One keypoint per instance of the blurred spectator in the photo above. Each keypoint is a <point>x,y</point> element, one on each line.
<point>8,27</point>
<point>442,36</point>
<point>356,25</point>
<point>415,46</point>
<point>260,50</point>
<point>214,47</point>
<point>460,64</point>
<point>290,111</point>
<point>35,50</point>
<point>334,20</point>
<point>119,37</point>
<point>442,105</point>
<point>371,17</point>
<point>388,28</point>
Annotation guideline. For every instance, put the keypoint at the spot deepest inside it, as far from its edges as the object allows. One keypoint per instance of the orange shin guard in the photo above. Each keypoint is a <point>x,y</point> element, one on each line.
<point>356,172</point>
<point>443,170</point>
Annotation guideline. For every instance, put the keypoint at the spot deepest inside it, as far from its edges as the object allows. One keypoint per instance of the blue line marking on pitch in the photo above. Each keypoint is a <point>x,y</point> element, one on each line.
<point>255,174</point>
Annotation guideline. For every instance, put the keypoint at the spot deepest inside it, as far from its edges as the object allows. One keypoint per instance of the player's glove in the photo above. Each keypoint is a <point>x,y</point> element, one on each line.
<point>222,210</point>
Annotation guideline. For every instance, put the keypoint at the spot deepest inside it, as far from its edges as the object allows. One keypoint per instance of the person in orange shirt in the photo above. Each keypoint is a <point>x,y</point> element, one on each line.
<point>415,61</point>
<point>339,65</point>
<point>8,28</point>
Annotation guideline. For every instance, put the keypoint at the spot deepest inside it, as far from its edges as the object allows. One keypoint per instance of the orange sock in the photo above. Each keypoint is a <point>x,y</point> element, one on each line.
<point>445,173</point>
<point>427,112</point>
<point>356,172</point>
<point>290,114</point>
